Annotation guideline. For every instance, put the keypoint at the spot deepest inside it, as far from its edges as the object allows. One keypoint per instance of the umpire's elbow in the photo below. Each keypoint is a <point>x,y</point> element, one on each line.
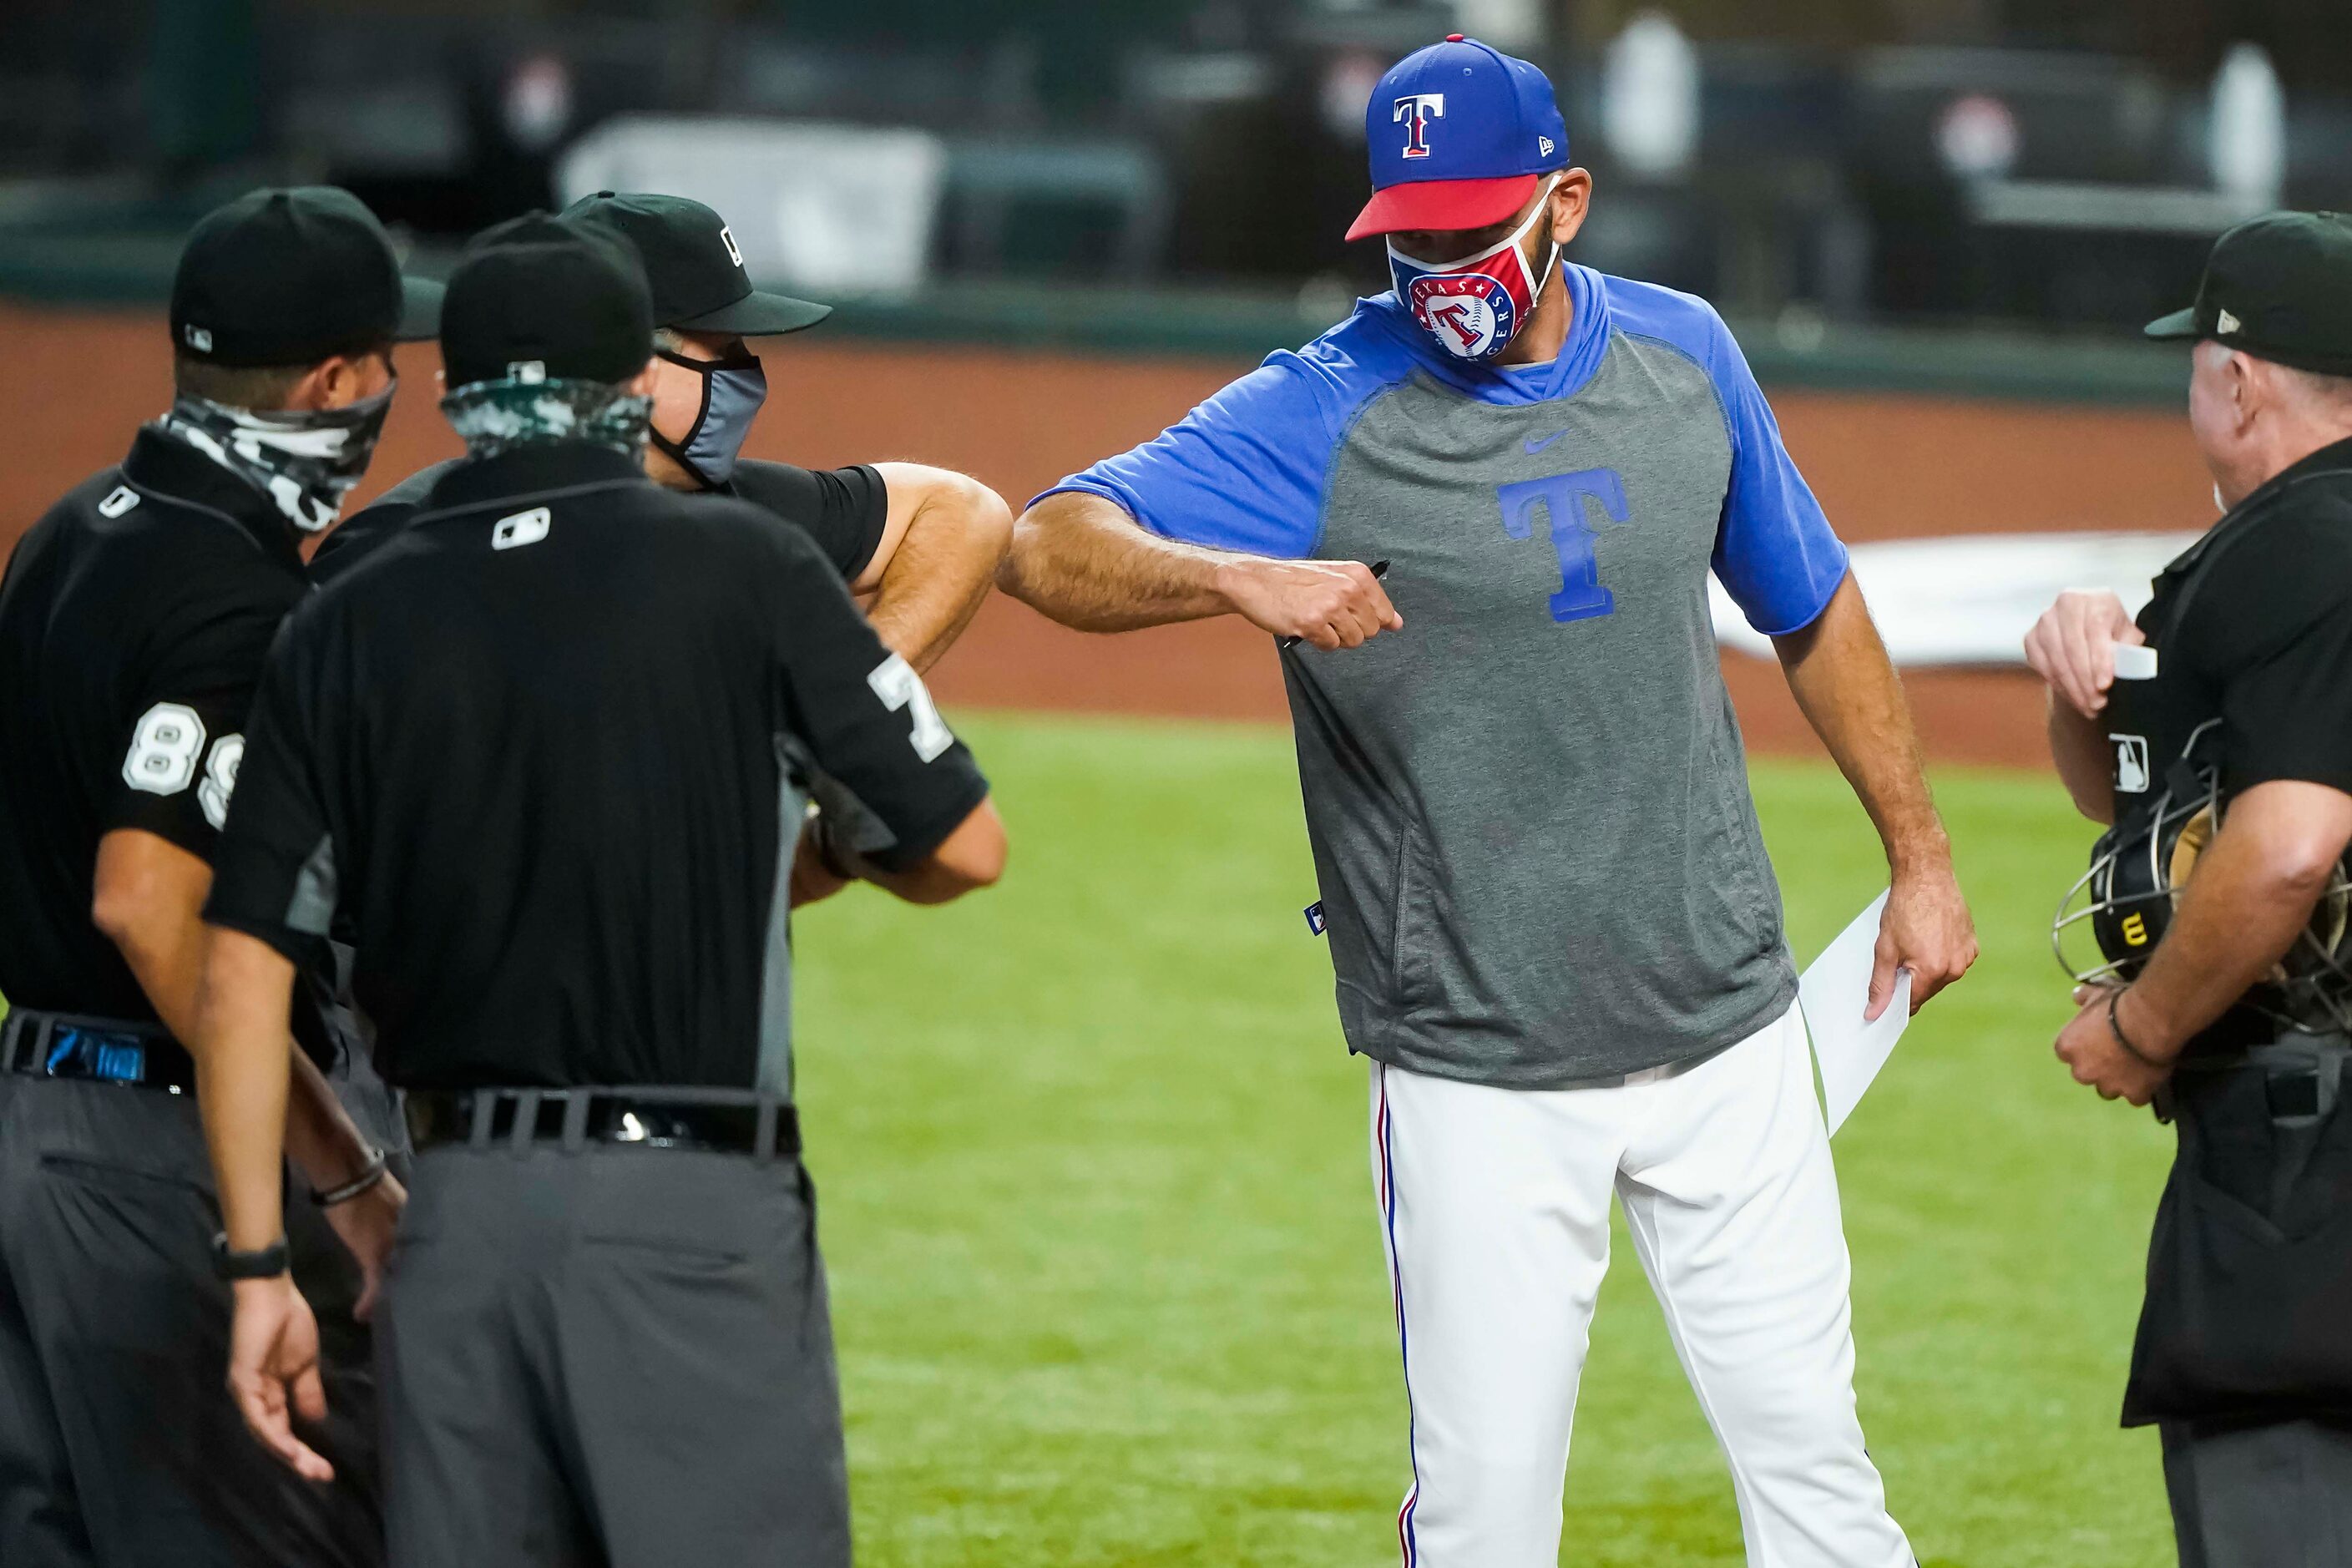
<point>970,859</point>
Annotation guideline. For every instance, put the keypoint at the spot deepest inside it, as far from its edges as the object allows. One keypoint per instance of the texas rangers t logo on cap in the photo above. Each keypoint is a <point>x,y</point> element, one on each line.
<point>1417,110</point>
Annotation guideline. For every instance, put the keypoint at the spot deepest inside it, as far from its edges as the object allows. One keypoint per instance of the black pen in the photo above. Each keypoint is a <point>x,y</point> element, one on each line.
<point>1380,569</point>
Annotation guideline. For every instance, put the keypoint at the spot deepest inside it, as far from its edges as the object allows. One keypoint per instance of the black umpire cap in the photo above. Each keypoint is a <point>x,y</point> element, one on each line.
<point>695,268</point>
<point>2278,286</point>
<point>540,298</point>
<point>290,276</point>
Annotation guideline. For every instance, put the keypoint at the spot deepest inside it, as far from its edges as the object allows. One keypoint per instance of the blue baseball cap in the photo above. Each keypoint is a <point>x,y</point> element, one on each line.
<point>1459,133</point>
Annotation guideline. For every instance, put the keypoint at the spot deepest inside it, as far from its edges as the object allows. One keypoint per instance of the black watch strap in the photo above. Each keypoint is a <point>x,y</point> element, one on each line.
<point>266,1264</point>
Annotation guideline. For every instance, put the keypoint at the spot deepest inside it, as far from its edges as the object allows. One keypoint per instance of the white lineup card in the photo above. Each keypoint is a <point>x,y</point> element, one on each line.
<point>1834,991</point>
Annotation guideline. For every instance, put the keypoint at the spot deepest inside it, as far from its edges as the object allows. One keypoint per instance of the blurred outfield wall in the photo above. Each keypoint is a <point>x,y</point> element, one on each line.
<point>1886,463</point>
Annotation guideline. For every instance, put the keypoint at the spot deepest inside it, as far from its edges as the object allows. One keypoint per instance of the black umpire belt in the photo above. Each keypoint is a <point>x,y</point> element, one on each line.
<point>725,1121</point>
<point>96,1050</point>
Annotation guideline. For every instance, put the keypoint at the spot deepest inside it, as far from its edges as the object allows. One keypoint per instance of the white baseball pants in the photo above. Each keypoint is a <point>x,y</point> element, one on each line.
<point>1495,1204</point>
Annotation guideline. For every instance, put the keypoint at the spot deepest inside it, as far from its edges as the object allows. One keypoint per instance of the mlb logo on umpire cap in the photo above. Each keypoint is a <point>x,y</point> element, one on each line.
<point>1479,128</point>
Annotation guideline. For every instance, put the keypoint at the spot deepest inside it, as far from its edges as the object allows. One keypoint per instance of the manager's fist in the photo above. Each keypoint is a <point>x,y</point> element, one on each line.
<point>1332,604</point>
<point>2072,647</point>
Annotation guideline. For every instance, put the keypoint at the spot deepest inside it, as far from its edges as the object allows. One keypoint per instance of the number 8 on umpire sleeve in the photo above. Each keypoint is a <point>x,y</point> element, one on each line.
<point>163,749</point>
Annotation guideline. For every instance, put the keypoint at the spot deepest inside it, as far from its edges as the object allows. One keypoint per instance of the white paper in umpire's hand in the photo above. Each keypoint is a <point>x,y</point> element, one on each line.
<point>1833,992</point>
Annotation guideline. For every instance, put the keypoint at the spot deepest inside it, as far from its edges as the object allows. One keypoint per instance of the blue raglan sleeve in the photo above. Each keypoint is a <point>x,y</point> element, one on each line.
<point>1774,553</point>
<point>1242,472</point>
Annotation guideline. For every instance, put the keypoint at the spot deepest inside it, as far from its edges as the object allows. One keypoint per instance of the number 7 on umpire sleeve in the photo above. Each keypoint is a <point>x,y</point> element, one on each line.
<point>894,680</point>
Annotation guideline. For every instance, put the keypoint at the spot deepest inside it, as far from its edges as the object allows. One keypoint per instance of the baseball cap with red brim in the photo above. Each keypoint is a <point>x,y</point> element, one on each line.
<point>1459,134</point>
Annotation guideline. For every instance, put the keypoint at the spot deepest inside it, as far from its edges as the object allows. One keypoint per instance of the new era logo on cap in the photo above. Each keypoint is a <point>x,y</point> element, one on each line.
<point>726,238</point>
<point>197,339</point>
<point>2226,323</point>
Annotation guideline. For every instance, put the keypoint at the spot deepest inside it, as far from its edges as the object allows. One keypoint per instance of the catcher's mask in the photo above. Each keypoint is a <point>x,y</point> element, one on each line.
<point>2138,868</point>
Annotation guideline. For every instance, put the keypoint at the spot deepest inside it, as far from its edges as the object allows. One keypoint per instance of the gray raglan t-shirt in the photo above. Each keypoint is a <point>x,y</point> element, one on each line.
<point>1529,811</point>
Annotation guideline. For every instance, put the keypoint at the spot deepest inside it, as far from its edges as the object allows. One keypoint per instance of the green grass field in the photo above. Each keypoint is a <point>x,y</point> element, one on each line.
<point>1106,1273</point>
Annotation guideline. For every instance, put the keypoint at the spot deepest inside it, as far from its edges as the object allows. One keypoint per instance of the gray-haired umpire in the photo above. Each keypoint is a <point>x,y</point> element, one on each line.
<point>2225,996</point>
<point>549,750</point>
<point>133,622</point>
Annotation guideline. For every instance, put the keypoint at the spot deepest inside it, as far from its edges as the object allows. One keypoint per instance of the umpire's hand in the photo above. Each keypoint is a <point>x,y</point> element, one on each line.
<point>2072,647</point>
<point>1330,603</point>
<point>367,1225</point>
<point>2094,1048</point>
<point>273,1371</point>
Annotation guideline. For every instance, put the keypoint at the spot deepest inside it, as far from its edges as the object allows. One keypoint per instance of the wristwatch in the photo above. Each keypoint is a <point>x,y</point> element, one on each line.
<point>266,1264</point>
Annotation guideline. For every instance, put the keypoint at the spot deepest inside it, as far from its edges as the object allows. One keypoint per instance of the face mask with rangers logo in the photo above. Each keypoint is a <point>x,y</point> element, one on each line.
<point>1472,306</point>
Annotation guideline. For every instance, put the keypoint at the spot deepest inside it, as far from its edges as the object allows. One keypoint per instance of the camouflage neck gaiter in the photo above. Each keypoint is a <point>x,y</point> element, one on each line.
<point>494,417</point>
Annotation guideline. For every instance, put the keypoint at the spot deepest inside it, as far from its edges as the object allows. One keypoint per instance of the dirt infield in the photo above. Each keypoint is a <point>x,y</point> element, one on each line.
<point>1886,467</point>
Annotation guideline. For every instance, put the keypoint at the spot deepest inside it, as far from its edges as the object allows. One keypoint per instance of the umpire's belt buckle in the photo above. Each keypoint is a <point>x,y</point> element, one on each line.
<point>76,1052</point>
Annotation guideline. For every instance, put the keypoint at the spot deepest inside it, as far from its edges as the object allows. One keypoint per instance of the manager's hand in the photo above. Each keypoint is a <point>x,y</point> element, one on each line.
<point>1330,603</point>
<point>273,1371</point>
<point>2072,647</point>
<point>1926,929</point>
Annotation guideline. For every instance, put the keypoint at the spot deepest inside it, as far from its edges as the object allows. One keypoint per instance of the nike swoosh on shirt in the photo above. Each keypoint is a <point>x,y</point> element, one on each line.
<point>1537,444</point>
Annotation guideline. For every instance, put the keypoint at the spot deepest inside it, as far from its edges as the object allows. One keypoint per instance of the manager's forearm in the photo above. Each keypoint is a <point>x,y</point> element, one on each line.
<point>242,1067</point>
<point>1846,686</point>
<point>1080,559</point>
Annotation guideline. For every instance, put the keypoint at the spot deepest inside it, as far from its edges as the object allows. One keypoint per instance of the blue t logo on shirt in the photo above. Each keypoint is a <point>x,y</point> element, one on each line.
<point>1581,597</point>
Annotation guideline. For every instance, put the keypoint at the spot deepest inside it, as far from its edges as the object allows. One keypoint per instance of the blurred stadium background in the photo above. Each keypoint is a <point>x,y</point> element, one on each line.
<point>1109,1292</point>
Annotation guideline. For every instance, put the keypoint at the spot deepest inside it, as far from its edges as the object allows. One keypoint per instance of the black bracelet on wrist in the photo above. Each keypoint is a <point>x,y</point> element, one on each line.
<point>266,1264</point>
<point>371,1174</point>
<point>2116,1027</point>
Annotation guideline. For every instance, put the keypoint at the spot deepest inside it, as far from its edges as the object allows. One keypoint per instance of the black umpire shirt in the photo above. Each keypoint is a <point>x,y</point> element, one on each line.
<point>548,748</point>
<point>2252,628</point>
<point>843,510</point>
<point>133,622</point>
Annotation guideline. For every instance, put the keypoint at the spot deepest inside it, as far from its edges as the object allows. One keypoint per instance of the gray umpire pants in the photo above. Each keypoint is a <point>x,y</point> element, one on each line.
<point>119,1446</point>
<point>609,1355</point>
<point>2273,1495</point>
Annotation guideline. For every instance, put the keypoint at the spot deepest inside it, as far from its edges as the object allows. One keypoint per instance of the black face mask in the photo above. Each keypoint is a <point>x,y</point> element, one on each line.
<point>732,391</point>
